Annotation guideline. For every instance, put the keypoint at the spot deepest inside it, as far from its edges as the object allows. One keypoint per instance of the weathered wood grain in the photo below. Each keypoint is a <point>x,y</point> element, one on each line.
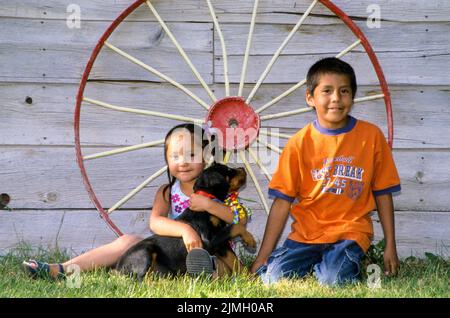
<point>428,70</point>
<point>48,178</point>
<point>421,114</point>
<point>79,231</point>
<point>48,51</point>
<point>277,11</point>
<point>54,53</point>
<point>411,46</point>
<point>424,38</point>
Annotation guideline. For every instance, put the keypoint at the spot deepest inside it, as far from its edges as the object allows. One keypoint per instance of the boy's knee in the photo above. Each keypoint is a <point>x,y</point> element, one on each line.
<point>348,270</point>
<point>277,268</point>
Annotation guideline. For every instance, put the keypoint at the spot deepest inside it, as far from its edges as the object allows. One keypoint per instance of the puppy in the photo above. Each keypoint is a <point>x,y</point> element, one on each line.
<point>167,255</point>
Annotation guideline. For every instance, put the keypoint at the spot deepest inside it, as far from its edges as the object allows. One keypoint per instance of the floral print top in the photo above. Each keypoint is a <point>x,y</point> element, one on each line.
<point>179,201</point>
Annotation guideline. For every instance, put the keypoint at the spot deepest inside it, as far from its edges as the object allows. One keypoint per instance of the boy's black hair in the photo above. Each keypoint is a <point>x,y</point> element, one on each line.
<point>329,65</point>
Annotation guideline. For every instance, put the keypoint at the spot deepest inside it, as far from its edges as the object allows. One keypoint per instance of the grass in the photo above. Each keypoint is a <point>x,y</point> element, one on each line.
<point>424,278</point>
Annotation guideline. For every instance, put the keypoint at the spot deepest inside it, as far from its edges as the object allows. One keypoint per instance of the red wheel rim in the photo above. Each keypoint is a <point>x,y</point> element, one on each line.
<point>83,82</point>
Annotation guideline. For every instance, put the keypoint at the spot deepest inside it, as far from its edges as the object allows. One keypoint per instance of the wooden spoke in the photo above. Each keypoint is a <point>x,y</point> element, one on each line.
<point>283,95</point>
<point>123,150</point>
<point>137,190</point>
<point>270,133</point>
<point>255,181</point>
<point>368,98</point>
<point>247,48</point>
<point>182,52</point>
<point>288,113</point>
<point>142,111</point>
<point>270,146</point>
<point>261,166</point>
<point>278,52</point>
<point>157,73</point>
<point>348,49</point>
<point>227,157</point>
<point>222,43</point>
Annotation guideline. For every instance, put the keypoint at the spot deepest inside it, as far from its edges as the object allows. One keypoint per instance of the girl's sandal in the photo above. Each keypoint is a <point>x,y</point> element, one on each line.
<point>36,269</point>
<point>198,261</point>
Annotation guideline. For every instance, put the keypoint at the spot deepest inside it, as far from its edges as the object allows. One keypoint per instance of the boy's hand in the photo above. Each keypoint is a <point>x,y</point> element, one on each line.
<point>199,203</point>
<point>391,262</point>
<point>257,264</point>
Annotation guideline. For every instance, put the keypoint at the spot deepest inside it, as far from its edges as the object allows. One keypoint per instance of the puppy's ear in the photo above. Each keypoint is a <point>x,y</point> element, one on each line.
<point>209,179</point>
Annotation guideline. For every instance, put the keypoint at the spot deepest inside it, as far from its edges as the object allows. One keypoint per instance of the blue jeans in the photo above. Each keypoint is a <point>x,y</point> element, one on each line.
<point>333,264</point>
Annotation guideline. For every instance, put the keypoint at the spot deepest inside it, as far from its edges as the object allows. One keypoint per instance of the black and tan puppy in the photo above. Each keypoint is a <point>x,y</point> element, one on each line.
<point>167,255</point>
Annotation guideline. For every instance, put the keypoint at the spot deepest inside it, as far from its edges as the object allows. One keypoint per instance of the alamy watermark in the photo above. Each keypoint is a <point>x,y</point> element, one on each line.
<point>373,276</point>
<point>73,20</point>
<point>73,276</point>
<point>374,18</point>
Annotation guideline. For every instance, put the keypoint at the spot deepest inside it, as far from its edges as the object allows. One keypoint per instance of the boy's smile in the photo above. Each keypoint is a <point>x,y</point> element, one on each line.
<point>333,100</point>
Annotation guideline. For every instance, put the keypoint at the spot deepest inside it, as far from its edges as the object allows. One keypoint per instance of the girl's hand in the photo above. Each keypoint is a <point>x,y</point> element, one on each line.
<point>391,262</point>
<point>200,203</point>
<point>190,238</point>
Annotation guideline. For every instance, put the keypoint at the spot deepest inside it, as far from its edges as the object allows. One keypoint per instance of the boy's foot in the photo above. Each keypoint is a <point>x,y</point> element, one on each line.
<point>199,261</point>
<point>36,269</point>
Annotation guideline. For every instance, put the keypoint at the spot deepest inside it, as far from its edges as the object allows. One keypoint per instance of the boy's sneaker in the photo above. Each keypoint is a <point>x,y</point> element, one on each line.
<point>199,261</point>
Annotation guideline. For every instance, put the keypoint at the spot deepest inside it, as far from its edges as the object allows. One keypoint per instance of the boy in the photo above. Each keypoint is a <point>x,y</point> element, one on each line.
<point>337,168</point>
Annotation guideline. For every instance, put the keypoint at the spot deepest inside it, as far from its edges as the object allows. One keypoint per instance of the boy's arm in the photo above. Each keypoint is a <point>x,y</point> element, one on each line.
<point>278,215</point>
<point>386,214</point>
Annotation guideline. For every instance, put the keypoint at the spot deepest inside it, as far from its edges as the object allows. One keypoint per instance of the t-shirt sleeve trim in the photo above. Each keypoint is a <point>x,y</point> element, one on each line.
<point>277,194</point>
<point>392,189</point>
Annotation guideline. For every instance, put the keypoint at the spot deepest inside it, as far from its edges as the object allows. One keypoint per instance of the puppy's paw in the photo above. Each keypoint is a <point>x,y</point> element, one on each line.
<point>248,239</point>
<point>214,220</point>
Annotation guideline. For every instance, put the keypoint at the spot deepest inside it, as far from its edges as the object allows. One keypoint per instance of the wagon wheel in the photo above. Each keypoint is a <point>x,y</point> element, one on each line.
<point>226,114</point>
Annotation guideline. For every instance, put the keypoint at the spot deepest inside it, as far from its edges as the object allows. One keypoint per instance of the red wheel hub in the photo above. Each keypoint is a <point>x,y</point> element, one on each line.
<point>235,122</point>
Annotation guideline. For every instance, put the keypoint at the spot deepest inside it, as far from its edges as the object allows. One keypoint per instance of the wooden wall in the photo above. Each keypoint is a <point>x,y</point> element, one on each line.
<point>42,61</point>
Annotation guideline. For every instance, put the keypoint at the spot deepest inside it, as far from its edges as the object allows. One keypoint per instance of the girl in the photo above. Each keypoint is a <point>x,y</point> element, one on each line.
<point>186,152</point>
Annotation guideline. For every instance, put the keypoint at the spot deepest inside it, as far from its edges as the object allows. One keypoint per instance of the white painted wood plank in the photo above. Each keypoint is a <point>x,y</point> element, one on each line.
<point>421,114</point>
<point>48,178</point>
<point>280,11</point>
<point>54,53</point>
<point>191,36</point>
<point>49,42</point>
<point>428,70</point>
<point>79,231</point>
<point>424,38</point>
<point>419,232</point>
<point>75,231</point>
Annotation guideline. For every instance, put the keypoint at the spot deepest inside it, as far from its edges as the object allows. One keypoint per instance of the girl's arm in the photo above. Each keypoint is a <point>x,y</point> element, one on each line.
<point>223,212</point>
<point>385,208</point>
<point>161,224</point>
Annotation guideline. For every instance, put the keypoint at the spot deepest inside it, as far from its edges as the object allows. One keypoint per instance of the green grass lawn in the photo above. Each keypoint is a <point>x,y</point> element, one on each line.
<point>417,278</point>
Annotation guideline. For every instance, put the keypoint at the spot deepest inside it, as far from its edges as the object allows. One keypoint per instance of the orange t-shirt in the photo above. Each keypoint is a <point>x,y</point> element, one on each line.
<point>334,175</point>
